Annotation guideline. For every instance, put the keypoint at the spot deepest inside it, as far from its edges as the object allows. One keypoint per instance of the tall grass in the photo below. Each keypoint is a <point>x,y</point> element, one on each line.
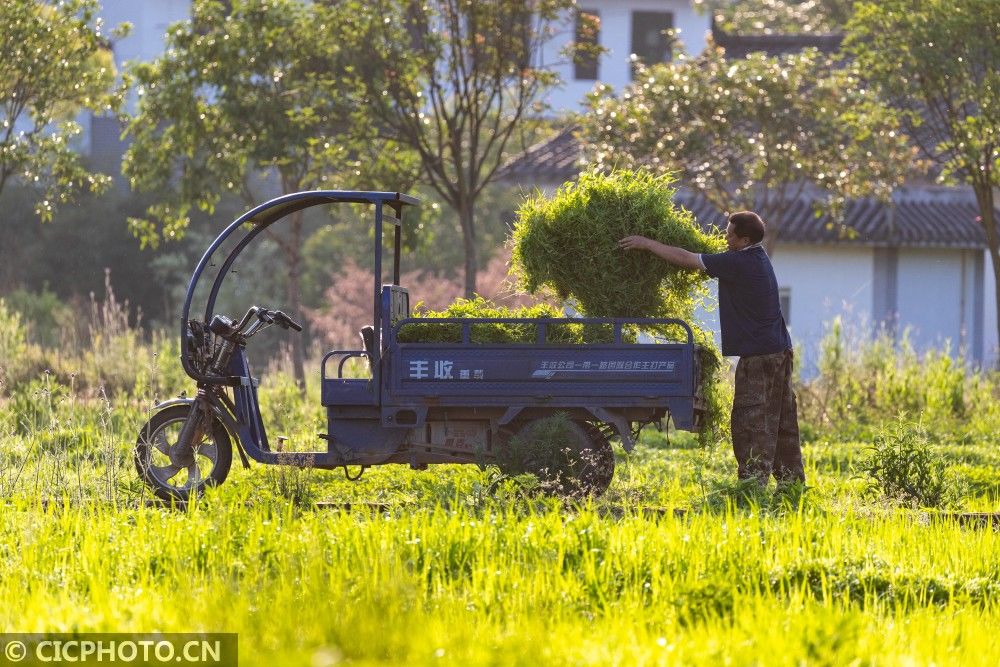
<point>865,383</point>
<point>446,567</point>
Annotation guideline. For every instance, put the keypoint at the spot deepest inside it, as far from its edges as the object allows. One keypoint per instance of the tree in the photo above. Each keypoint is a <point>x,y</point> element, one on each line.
<point>755,133</point>
<point>458,81</point>
<point>54,63</point>
<point>246,98</point>
<point>937,64</point>
<point>779,16</point>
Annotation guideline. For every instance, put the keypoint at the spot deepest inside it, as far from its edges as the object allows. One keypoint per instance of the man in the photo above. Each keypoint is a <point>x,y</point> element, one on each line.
<point>764,417</point>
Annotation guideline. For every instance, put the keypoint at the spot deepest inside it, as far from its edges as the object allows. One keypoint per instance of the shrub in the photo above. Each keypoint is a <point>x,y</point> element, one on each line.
<point>902,467</point>
<point>46,316</point>
<point>567,332</point>
<point>20,359</point>
<point>861,379</point>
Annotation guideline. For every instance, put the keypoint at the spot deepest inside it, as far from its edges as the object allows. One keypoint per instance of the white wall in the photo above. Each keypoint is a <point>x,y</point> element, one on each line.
<point>616,36</point>
<point>150,20</point>
<point>932,301</point>
<point>824,282</point>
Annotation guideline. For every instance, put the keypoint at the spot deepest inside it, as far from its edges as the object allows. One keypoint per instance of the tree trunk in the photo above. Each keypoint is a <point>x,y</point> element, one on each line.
<point>294,296</point>
<point>467,220</point>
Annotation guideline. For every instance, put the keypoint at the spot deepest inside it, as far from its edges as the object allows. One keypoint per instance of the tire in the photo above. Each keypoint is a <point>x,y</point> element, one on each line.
<point>600,470</point>
<point>570,458</point>
<point>211,462</point>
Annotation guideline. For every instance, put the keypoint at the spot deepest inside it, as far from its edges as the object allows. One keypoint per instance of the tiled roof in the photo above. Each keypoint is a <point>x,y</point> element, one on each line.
<point>919,217</point>
<point>931,217</point>
<point>554,160</point>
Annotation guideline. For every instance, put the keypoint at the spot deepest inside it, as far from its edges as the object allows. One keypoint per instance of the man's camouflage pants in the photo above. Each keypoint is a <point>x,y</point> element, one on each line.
<point>765,422</point>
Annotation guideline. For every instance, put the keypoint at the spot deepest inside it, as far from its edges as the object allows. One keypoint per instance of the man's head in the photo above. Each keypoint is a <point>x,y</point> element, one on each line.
<point>744,228</point>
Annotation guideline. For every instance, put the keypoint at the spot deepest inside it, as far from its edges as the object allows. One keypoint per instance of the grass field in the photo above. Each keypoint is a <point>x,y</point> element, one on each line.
<point>674,565</point>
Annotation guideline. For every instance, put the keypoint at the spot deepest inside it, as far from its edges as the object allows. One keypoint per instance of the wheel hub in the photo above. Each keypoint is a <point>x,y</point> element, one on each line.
<point>181,456</point>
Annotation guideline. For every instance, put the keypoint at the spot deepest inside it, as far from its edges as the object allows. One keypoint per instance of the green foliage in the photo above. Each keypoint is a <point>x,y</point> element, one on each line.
<point>13,341</point>
<point>863,381</point>
<point>291,484</point>
<point>903,467</point>
<point>568,332</point>
<point>460,83</point>
<point>569,242</point>
<point>245,90</point>
<point>54,63</point>
<point>249,96</point>
<point>778,16</point>
<point>20,359</point>
<point>47,315</point>
<point>35,404</point>
<point>760,132</point>
<point>66,257</point>
<point>937,65</point>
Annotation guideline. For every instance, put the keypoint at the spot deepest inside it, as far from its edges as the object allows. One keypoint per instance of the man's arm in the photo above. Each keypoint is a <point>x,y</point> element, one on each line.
<point>673,255</point>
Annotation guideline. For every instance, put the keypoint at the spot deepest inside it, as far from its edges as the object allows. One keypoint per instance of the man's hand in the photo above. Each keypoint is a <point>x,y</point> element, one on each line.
<point>635,243</point>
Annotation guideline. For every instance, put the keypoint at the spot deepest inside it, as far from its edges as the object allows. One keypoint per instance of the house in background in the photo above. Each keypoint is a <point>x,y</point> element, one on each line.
<point>625,28</point>
<point>917,265</point>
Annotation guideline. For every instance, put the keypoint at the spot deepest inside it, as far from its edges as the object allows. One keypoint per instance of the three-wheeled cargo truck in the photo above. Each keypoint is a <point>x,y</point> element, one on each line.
<point>462,401</point>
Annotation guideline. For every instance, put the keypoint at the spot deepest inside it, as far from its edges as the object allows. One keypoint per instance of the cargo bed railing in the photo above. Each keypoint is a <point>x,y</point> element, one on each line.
<point>345,355</point>
<point>542,324</point>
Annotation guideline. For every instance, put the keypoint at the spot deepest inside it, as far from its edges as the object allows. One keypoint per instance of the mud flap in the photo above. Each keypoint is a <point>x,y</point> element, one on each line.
<point>619,422</point>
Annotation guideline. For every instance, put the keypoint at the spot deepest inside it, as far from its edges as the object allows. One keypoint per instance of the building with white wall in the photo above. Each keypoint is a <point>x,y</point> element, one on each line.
<point>625,28</point>
<point>918,265</point>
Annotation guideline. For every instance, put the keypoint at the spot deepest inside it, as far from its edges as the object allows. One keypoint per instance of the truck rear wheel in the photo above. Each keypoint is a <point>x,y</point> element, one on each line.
<point>571,458</point>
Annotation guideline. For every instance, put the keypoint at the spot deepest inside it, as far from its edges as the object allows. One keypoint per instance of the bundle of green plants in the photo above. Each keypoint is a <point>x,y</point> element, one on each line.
<point>568,243</point>
<point>567,332</point>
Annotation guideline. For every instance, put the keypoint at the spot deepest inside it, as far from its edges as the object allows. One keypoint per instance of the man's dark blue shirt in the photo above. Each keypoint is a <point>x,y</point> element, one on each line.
<point>749,309</point>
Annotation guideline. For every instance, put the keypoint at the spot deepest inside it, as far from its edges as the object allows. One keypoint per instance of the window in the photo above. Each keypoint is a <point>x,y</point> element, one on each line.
<point>785,299</point>
<point>588,37</point>
<point>650,41</point>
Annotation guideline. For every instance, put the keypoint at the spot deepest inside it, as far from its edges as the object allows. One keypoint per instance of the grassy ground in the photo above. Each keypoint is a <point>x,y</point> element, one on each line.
<point>437,567</point>
<point>676,564</point>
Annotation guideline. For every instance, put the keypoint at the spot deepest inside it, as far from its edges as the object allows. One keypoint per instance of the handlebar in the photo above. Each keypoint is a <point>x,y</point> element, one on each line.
<point>256,319</point>
<point>285,321</point>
